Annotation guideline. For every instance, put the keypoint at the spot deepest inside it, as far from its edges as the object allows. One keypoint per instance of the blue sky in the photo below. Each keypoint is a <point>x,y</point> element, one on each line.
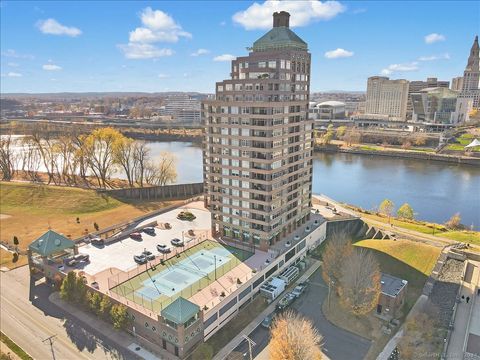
<point>147,46</point>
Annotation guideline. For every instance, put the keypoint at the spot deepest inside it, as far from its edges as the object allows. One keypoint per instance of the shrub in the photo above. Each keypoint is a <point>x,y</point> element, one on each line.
<point>15,240</point>
<point>95,225</point>
<point>15,257</point>
<point>186,215</point>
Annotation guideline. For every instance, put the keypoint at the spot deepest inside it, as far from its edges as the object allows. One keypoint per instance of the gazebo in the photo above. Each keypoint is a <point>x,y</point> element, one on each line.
<point>46,254</point>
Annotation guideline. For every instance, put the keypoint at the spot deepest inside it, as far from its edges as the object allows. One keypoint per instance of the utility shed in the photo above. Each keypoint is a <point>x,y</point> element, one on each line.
<point>392,296</point>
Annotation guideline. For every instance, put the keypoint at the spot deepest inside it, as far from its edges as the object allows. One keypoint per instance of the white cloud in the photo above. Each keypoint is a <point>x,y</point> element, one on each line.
<point>53,27</point>
<point>143,51</point>
<point>338,53</point>
<point>51,67</point>
<point>12,64</point>
<point>158,27</point>
<point>434,37</point>
<point>259,16</point>
<point>163,76</point>
<point>445,56</point>
<point>223,23</point>
<point>12,74</point>
<point>13,54</point>
<point>224,57</point>
<point>405,67</point>
<point>200,52</point>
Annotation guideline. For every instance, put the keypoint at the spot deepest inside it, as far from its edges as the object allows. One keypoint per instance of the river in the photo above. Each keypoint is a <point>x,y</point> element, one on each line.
<point>436,190</point>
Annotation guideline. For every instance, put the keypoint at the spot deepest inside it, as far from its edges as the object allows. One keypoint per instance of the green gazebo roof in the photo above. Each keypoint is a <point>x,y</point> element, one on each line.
<point>50,243</point>
<point>279,38</point>
<point>180,311</point>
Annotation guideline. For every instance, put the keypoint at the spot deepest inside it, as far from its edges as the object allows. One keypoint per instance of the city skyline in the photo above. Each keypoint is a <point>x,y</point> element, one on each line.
<point>158,46</point>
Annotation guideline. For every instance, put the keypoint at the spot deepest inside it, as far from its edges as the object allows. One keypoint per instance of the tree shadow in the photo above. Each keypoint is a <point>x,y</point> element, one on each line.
<point>80,337</point>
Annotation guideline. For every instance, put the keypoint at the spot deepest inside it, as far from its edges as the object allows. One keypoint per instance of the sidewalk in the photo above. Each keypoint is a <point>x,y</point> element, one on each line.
<point>227,349</point>
<point>121,339</point>
<point>463,312</point>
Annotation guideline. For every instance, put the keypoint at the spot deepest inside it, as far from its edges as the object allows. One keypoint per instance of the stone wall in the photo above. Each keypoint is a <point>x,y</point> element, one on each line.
<point>165,192</point>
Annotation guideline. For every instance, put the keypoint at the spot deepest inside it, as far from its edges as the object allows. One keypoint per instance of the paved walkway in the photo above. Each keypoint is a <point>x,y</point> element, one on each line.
<point>463,312</point>
<point>227,349</point>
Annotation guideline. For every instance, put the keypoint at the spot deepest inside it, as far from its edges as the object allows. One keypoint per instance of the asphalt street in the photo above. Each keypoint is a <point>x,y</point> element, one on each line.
<point>338,344</point>
<point>29,319</point>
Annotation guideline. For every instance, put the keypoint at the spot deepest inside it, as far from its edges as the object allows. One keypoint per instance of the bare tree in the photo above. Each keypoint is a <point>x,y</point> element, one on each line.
<point>46,147</point>
<point>360,282</point>
<point>32,159</point>
<point>124,157</point>
<point>161,172</point>
<point>141,154</point>
<point>338,249</point>
<point>7,157</point>
<point>294,338</point>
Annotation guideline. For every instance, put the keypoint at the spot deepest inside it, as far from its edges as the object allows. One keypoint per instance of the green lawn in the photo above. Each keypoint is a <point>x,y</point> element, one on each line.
<point>156,302</point>
<point>34,209</point>
<point>472,237</point>
<point>407,260</point>
<point>14,347</point>
<point>420,257</point>
<point>40,198</point>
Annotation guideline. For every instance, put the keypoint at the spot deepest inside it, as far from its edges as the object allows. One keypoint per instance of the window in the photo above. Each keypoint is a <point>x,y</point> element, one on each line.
<point>228,87</point>
<point>210,320</point>
<point>227,307</point>
<point>220,88</point>
<point>272,64</point>
<point>258,281</point>
<point>262,64</point>
<point>244,292</point>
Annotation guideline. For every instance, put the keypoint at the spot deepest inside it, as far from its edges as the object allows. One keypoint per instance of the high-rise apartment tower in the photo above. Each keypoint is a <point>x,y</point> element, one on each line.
<point>258,141</point>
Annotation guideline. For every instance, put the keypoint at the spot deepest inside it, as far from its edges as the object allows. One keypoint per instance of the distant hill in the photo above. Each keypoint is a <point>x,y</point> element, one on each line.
<point>94,95</point>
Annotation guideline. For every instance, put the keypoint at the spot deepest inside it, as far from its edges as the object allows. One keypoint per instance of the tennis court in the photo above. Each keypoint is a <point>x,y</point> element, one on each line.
<point>184,275</point>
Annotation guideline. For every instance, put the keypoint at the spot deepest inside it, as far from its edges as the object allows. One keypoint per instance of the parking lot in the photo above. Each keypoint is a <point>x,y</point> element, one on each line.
<point>338,344</point>
<point>120,254</point>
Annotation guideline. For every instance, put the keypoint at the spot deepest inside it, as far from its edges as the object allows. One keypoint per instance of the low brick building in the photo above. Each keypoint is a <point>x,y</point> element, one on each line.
<point>392,296</point>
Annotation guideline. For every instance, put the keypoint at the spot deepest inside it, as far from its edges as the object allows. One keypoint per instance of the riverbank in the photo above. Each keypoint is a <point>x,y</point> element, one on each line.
<point>404,154</point>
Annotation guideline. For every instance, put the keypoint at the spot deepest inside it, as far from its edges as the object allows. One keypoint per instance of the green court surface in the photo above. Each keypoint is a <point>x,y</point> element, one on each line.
<point>182,275</point>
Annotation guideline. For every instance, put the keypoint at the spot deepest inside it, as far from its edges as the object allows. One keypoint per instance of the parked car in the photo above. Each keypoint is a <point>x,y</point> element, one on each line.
<point>176,242</point>
<point>140,259</point>
<point>299,290</point>
<point>136,236</point>
<point>82,257</point>
<point>267,322</point>
<point>285,301</point>
<point>149,230</point>
<point>94,285</point>
<point>164,249</point>
<point>148,255</point>
<point>97,241</point>
<point>70,262</point>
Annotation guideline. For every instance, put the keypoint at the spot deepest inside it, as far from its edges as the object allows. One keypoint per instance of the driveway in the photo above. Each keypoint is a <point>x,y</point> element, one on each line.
<point>338,344</point>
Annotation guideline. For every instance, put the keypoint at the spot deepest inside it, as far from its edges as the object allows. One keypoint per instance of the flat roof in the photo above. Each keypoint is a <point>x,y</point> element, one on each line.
<point>392,285</point>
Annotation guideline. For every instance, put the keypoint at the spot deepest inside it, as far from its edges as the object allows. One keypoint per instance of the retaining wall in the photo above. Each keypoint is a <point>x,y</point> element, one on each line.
<point>165,192</point>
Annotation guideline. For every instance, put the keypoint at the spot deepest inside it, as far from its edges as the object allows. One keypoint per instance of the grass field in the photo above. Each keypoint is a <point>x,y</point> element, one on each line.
<point>472,237</point>
<point>408,260</point>
<point>14,347</point>
<point>129,289</point>
<point>33,209</point>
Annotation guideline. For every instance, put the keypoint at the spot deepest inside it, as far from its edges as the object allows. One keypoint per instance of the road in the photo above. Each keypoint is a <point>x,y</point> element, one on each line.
<point>28,318</point>
<point>338,344</point>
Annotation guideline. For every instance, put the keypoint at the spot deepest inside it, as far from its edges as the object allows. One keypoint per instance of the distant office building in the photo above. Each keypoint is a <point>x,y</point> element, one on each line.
<point>183,108</point>
<point>416,86</point>
<point>258,142</point>
<point>386,98</point>
<point>457,83</point>
<point>470,94</point>
<point>327,110</point>
<point>434,105</point>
